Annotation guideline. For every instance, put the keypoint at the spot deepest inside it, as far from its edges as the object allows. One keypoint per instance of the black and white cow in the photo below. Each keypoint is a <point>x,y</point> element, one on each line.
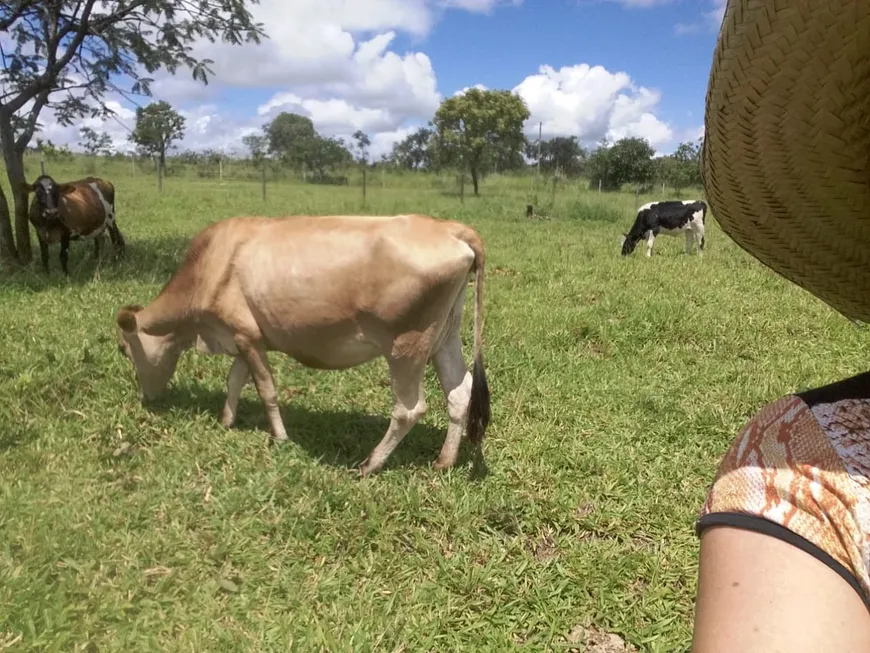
<point>670,218</point>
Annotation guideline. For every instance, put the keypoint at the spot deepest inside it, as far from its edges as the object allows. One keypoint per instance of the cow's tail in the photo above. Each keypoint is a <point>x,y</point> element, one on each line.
<point>479,407</point>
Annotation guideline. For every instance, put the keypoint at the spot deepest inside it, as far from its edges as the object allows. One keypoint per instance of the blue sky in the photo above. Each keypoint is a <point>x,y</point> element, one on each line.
<point>616,67</point>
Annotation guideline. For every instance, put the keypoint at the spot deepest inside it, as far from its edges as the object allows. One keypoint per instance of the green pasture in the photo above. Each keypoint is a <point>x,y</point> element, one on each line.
<point>617,384</point>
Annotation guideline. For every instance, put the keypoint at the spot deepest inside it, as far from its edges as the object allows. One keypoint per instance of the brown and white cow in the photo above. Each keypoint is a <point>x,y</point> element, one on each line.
<point>82,209</point>
<point>332,292</point>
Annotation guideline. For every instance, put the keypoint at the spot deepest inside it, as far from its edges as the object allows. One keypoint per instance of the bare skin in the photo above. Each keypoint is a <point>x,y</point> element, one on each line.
<point>758,594</point>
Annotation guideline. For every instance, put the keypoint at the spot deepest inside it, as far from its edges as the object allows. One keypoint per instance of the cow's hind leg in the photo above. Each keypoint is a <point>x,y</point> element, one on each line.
<point>258,363</point>
<point>409,405</point>
<point>117,240</point>
<point>690,240</point>
<point>238,376</point>
<point>455,381</point>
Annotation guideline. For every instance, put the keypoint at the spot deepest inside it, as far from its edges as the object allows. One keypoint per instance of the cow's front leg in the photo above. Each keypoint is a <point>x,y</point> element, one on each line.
<point>650,239</point>
<point>258,363</point>
<point>64,252</point>
<point>43,252</point>
<point>690,239</point>
<point>238,376</point>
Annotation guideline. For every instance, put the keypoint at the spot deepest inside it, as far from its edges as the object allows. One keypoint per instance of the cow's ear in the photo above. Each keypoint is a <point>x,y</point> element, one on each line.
<point>27,188</point>
<point>65,188</point>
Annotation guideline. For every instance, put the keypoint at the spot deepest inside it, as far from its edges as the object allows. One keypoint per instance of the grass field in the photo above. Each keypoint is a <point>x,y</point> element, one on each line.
<point>617,384</point>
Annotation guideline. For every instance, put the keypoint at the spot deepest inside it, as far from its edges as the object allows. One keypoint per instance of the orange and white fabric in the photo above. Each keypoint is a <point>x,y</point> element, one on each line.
<point>799,471</point>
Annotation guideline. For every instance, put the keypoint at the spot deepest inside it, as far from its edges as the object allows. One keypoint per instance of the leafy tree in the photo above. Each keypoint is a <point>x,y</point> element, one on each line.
<point>412,153</point>
<point>362,145</point>
<point>683,168</point>
<point>482,127</point>
<point>68,54</point>
<point>258,145</point>
<point>95,144</point>
<point>628,160</point>
<point>326,154</point>
<point>560,154</point>
<point>157,126</point>
<point>291,137</point>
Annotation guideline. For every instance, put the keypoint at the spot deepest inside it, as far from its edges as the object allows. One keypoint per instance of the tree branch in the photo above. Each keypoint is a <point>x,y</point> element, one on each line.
<point>9,21</point>
<point>30,125</point>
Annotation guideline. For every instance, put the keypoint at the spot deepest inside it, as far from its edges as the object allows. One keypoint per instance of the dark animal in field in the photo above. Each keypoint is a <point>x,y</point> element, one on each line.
<point>77,210</point>
<point>331,292</point>
<point>669,218</point>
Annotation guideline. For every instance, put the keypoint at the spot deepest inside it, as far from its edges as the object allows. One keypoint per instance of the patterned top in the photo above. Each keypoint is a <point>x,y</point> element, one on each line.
<point>802,463</point>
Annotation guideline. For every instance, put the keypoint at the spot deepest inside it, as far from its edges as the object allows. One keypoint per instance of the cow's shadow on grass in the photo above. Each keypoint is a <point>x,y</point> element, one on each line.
<point>340,439</point>
<point>144,259</point>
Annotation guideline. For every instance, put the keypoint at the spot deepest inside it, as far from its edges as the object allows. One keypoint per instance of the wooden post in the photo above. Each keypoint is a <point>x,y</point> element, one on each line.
<point>159,176</point>
<point>263,176</point>
<point>599,185</point>
<point>364,184</point>
<point>462,186</point>
<point>42,165</point>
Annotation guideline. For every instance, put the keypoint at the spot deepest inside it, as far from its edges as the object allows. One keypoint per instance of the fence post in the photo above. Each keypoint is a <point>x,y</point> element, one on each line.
<point>263,175</point>
<point>42,165</point>
<point>364,184</point>
<point>462,186</point>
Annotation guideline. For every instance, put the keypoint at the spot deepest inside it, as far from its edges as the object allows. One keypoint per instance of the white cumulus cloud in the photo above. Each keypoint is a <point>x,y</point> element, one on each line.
<point>333,61</point>
<point>591,103</point>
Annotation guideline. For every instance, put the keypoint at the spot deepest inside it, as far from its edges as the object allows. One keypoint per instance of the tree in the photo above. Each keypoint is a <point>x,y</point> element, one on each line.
<point>560,154</point>
<point>362,145</point>
<point>157,126</point>
<point>628,160</point>
<point>95,144</point>
<point>412,153</point>
<point>483,127</point>
<point>258,145</point>
<point>291,137</point>
<point>68,54</point>
<point>683,167</point>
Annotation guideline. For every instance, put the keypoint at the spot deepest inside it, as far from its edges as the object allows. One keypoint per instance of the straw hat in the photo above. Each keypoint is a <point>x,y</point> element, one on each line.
<point>786,156</point>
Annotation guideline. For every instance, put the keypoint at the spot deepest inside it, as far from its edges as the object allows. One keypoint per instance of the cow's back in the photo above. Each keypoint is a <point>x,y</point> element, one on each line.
<point>86,208</point>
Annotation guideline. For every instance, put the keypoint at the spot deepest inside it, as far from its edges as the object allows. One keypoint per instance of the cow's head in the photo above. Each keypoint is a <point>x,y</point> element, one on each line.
<point>154,357</point>
<point>47,193</point>
<point>632,238</point>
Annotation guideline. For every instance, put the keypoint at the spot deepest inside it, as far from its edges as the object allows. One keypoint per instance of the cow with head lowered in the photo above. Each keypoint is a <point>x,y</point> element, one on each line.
<point>332,292</point>
<point>669,218</point>
<point>77,210</point>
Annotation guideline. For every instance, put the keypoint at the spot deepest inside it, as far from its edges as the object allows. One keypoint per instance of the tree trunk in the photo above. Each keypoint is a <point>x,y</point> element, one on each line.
<point>15,172</point>
<point>8,251</point>
<point>474,180</point>
<point>162,162</point>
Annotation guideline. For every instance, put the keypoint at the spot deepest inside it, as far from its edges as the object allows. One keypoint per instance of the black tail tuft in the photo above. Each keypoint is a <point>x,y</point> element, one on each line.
<point>479,410</point>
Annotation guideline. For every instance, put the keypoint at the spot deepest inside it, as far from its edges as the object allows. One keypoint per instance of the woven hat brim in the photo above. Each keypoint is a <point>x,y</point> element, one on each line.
<point>787,142</point>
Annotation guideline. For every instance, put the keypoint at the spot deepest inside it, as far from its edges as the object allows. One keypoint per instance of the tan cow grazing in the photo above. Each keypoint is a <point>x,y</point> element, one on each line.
<point>81,209</point>
<point>332,292</point>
